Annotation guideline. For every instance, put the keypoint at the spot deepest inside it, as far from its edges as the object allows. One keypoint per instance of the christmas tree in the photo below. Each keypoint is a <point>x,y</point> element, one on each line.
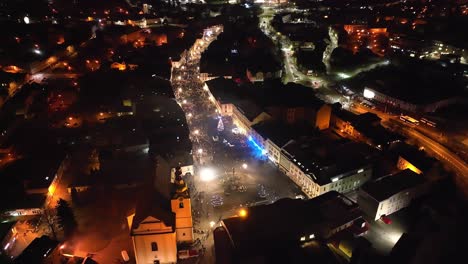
<point>220,125</point>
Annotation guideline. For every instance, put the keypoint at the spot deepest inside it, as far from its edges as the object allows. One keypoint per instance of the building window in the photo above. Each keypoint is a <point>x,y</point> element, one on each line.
<point>181,205</point>
<point>154,246</point>
<point>183,234</point>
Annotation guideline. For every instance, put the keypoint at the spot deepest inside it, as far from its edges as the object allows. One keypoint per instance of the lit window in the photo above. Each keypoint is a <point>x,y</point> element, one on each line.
<point>303,238</point>
<point>312,236</point>
<point>154,246</point>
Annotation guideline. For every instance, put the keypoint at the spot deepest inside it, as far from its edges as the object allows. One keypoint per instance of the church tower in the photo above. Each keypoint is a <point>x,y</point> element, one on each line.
<point>182,207</point>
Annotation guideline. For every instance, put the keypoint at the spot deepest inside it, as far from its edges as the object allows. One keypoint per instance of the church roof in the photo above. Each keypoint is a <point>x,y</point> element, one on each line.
<point>152,203</point>
<point>154,200</point>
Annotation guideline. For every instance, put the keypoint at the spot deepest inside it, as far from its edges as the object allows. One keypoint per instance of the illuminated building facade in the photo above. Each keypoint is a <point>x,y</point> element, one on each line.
<point>375,39</point>
<point>342,167</point>
<point>391,193</point>
<point>163,218</point>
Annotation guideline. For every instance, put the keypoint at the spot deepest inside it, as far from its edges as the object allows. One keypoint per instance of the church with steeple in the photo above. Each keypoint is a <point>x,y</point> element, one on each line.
<point>163,216</point>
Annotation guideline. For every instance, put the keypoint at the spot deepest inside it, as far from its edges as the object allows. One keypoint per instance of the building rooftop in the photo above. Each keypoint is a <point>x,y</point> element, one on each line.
<point>5,228</point>
<point>324,158</point>
<point>367,118</point>
<point>418,82</point>
<point>266,94</point>
<point>154,199</point>
<point>284,222</point>
<point>280,133</point>
<point>249,109</point>
<point>224,90</point>
<point>24,201</point>
<point>155,205</point>
<point>418,158</point>
<point>385,187</point>
<point>378,134</point>
<point>39,249</point>
<point>37,172</point>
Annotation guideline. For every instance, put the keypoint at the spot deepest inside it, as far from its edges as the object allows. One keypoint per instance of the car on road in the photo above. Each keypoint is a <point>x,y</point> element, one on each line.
<point>125,256</point>
<point>386,219</point>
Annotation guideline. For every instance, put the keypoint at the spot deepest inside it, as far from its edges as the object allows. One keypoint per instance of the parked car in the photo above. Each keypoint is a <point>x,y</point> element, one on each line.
<point>125,256</point>
<point>386,219</point>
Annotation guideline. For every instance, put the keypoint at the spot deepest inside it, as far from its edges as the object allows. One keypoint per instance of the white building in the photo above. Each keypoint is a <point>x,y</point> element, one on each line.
<point>162,219</point>
<point>391,193</point>
<point>345,168</point>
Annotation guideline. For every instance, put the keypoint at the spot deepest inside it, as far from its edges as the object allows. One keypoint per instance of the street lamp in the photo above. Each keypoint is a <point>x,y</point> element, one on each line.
<point>207,174</point>
<point>212,224</point>
<point>242,212</point>
<point>200,151</point>
<point>196,132</point>
<point>184,101</point>
<point>180,90</point>
<point>245,166</point>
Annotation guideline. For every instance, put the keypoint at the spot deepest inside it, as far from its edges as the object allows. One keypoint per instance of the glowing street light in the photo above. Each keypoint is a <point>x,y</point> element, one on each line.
<point>245,166</point>
<point>200,151</point>
<point>242,212</point>
<point>207,174</point>
<point>180,90</point>
<point>179,78</point>
<point>196,132</point>
<point>212,224</point>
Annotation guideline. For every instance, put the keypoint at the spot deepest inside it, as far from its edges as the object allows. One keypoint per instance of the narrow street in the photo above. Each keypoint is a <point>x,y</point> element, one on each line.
<point>230,173</point>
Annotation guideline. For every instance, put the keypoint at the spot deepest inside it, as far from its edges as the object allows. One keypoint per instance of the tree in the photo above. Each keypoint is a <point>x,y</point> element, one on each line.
<point>66,217</point>
<point>75,197</point>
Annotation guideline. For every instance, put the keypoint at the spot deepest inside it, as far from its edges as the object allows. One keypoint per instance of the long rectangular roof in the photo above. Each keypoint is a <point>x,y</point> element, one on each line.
<point>390,185</point>
<point>287,220</point>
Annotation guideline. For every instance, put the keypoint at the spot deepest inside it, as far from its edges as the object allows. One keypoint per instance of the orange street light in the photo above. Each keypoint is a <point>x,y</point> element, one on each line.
<point>242,213</point>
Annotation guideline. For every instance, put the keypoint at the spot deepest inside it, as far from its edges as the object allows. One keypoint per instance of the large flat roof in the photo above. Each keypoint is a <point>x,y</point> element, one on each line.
<point>287,220</point>
<point>35,171</point>
<point>419,83</point>
<point>281,133</point>
<point>384,188</point>
<point>324,158</point>
<point>39,249</point>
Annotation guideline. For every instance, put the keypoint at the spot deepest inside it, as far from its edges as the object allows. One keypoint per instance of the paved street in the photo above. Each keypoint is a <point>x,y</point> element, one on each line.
<point>230,173</point>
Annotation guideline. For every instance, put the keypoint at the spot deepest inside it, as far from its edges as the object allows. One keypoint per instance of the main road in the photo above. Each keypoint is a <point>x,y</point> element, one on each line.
<point>227,173</point>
